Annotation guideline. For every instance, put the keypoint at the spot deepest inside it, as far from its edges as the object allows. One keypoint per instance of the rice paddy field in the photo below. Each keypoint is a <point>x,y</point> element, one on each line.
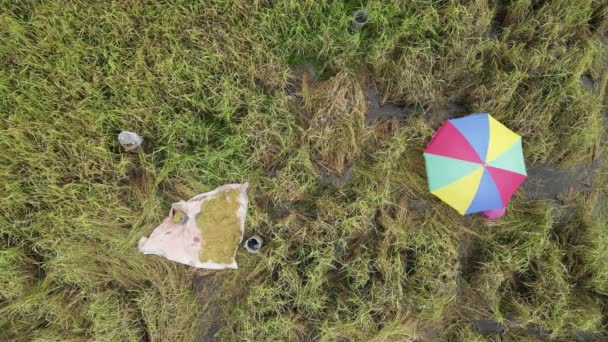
<point>280,93</point>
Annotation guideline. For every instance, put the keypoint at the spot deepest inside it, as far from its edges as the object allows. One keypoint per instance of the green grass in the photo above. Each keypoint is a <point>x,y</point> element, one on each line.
<point>205,85</point>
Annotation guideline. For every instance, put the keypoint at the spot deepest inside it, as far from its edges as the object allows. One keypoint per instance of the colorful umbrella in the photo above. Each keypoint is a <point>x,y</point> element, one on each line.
<point>475,164</point>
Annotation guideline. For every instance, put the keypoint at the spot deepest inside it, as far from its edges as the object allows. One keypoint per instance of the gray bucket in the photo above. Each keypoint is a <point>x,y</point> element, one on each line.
<point>253,244</point>
<point>360,19</point>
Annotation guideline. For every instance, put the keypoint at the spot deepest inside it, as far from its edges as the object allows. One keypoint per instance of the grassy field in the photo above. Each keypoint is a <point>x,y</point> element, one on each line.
<point>356,248</point>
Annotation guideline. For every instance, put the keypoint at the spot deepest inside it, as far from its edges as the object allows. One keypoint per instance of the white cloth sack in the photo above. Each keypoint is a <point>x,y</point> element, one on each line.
<point>203,232</point>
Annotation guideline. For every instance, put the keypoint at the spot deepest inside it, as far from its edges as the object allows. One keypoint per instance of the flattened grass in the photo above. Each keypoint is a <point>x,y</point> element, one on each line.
<point>370,257</point>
